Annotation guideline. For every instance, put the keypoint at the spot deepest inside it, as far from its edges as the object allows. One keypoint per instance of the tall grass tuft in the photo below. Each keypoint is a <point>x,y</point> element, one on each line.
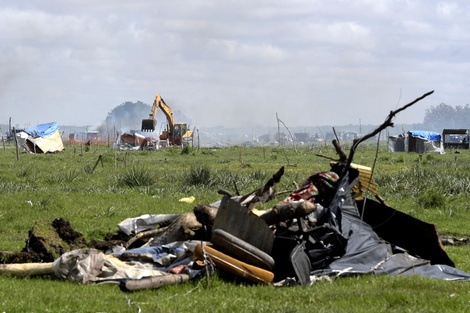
<point>25,171</point>
<point>65,177</point>
<point>199,175</point>
<point>136,177</point>
<point>186,149</point>
<point>109,212</point>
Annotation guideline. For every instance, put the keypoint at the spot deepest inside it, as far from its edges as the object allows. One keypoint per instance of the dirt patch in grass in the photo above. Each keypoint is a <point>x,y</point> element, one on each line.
<point>49,240</point>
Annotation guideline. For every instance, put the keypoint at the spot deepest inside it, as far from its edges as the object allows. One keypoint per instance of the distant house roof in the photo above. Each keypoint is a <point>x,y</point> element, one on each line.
<point>461,131</point>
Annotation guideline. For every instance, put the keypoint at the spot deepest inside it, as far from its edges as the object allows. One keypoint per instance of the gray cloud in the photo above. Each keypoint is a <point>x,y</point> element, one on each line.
<point>232,62</point>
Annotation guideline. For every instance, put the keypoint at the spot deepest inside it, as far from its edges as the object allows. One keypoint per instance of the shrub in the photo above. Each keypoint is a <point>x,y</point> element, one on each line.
<point>65,177</point>
<point>186,149</point>
<point>384,158</point>
<point>137,177</point>
<point>431,199</point>
<point>199,175</point>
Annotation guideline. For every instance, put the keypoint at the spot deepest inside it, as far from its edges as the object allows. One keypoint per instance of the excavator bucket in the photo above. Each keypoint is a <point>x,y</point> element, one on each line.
<point>149,124</point>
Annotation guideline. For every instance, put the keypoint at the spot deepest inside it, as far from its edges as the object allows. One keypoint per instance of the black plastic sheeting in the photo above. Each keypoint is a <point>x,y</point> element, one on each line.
<point>367,253</point>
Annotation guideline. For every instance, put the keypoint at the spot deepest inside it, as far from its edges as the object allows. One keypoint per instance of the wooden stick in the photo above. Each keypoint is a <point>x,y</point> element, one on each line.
<point>205,214</point>
<point>27,269</point>
<point>145,235</point>
<point>100,158</point>
<point>282,212</point>
<point>16,144</point>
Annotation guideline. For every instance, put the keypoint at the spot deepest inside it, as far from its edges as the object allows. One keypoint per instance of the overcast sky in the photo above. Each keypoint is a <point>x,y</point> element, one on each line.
<point>233,63</point>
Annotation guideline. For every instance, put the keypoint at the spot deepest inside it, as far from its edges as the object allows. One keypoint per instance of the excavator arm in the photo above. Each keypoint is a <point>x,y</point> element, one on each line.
<point>150,123</point>
<point>169,115</point>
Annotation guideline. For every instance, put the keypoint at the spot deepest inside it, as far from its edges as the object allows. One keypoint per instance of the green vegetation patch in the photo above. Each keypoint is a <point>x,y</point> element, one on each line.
<point>38,189</point>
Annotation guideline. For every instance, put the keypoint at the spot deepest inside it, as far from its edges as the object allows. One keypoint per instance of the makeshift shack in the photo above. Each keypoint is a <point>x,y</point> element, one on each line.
<point>422,141</point>
<point>396,143</point>
<point>455,138</point>
<point>42,138</point>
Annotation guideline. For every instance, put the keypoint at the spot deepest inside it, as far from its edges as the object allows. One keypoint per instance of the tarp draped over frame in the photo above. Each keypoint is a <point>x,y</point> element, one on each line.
<point>44,138</point>
<point>422,141</point>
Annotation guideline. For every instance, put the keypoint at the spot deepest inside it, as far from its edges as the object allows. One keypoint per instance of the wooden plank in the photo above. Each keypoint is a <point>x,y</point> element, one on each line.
<point>234,266</point>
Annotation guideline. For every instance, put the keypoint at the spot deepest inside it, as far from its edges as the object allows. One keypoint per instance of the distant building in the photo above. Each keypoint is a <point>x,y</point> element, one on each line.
<point>350,136</point>
<point>455,138</point>
<point>282,138</point>
<point>301,137</point>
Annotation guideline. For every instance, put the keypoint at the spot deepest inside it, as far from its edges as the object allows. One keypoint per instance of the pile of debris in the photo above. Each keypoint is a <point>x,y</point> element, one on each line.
<point>136,141</point>
<point>324,228</point>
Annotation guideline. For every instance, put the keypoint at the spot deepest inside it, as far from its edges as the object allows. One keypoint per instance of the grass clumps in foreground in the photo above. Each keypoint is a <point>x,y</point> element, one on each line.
<point>199,176</point>
<point>137,177</point>
<point>129,184</point>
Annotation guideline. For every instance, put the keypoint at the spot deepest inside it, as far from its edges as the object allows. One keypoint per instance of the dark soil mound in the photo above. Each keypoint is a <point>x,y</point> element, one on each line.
<point>49,240</point>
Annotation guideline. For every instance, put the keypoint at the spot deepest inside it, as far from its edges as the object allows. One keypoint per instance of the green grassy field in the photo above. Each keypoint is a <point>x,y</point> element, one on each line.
<point>95,196</point>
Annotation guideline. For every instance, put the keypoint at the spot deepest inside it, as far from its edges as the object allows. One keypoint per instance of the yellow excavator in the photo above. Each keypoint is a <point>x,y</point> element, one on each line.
<point>177,133</point>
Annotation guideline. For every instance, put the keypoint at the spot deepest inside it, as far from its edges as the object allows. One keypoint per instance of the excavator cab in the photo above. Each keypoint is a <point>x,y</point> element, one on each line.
<point>184,129</point>
<point>149,124</point>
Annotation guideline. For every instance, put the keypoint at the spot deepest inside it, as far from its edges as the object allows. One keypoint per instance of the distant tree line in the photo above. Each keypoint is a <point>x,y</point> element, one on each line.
<point>444,116</point>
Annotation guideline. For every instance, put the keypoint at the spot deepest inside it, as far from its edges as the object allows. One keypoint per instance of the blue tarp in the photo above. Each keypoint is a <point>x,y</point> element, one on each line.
<point>427,135</point>
<point>42,130</point>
